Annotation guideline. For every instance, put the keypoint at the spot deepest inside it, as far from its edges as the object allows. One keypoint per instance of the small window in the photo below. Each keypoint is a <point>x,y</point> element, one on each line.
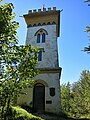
<point>38,38</point>
<point>43,38</point>
<point>41,35</point>
<point>52,92</point>
<point>40,56</point>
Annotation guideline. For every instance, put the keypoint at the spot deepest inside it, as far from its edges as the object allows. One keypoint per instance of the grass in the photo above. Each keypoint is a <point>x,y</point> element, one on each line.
<point>17,113</point>
<point>23,114</point>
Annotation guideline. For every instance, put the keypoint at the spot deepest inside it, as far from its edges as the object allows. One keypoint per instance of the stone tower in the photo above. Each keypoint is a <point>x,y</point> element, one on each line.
<point>42,31</point>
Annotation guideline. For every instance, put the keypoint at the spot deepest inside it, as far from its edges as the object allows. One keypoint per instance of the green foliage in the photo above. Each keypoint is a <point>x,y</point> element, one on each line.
<point>65,97</point>
<point>77,97</point>
<point>23,114</point>
<point>87,49</point>
<point>17,63</point>
<point>17,113</point>
<point>87,0</point>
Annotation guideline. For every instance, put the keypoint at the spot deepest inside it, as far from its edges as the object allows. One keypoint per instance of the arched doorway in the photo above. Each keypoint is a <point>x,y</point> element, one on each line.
<point>39,98</point>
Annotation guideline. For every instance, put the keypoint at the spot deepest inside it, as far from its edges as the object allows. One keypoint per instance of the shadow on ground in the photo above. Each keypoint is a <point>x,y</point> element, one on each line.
<point>47,116</point>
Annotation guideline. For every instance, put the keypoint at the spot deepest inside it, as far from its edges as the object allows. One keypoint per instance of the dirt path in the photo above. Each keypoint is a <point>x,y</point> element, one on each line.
<point>55,117</point>
<point>52,117</point>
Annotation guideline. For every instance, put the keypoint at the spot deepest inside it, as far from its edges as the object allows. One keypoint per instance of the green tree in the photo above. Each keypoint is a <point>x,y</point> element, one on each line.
<point>80,100</point>
<point>84,83</point>
<point>17,63</point>
<point>87,2</point>
<point>87,49</point>
<point>75,98</point>
<point>76,101</point>
<point>65,97</point>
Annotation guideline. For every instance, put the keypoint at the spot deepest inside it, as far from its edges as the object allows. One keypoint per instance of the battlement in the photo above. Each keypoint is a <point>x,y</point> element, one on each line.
<point>42,10</point>
<point>40,17</point>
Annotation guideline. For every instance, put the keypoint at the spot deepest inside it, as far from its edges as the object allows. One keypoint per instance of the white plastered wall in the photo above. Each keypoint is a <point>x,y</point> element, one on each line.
<point>49,61</point>
<point>50,56</point>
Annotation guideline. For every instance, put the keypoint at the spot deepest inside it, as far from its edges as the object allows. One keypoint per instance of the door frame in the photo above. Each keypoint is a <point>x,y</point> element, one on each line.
<point>41,85</point>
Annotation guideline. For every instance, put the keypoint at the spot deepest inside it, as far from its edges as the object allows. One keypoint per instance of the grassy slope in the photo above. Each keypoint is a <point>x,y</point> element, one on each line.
<point>23,114</point>
<point>17,113</point>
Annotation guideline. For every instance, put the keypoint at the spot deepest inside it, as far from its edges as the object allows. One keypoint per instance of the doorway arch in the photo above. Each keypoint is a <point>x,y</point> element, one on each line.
<point>39,98</point>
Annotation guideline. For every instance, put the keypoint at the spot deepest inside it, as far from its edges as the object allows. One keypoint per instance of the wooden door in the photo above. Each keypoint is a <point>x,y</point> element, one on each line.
<point>39,98</point>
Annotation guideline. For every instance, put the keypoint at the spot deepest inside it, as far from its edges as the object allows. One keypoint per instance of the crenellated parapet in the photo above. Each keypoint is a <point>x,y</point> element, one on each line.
<point>42,10</point>
<point>42,17</point>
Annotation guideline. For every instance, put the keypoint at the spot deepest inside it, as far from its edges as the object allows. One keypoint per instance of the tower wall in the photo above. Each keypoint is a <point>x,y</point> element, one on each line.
<point>47,82</point>
<point>52,103</point>
<point>50,53</point>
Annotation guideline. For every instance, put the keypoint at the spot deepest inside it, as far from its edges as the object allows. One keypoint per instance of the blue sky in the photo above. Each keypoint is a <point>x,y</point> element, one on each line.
<point>74,18</point>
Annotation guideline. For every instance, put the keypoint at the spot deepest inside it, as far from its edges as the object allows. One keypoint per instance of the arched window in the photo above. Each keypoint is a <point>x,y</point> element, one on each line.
<point>41,35</point>
<point>43,38</point>
<point>38,38</point>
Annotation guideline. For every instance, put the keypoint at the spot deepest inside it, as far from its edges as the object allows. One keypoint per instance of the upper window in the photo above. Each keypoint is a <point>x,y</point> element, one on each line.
<point>38,38</point>
<point>41,35</point>
<point>43,38</point>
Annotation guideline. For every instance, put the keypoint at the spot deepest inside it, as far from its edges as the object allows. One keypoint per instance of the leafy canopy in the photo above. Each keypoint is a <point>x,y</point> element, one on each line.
<point>87,49</point>
<point>17,63</point>
<point>76,97</point>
